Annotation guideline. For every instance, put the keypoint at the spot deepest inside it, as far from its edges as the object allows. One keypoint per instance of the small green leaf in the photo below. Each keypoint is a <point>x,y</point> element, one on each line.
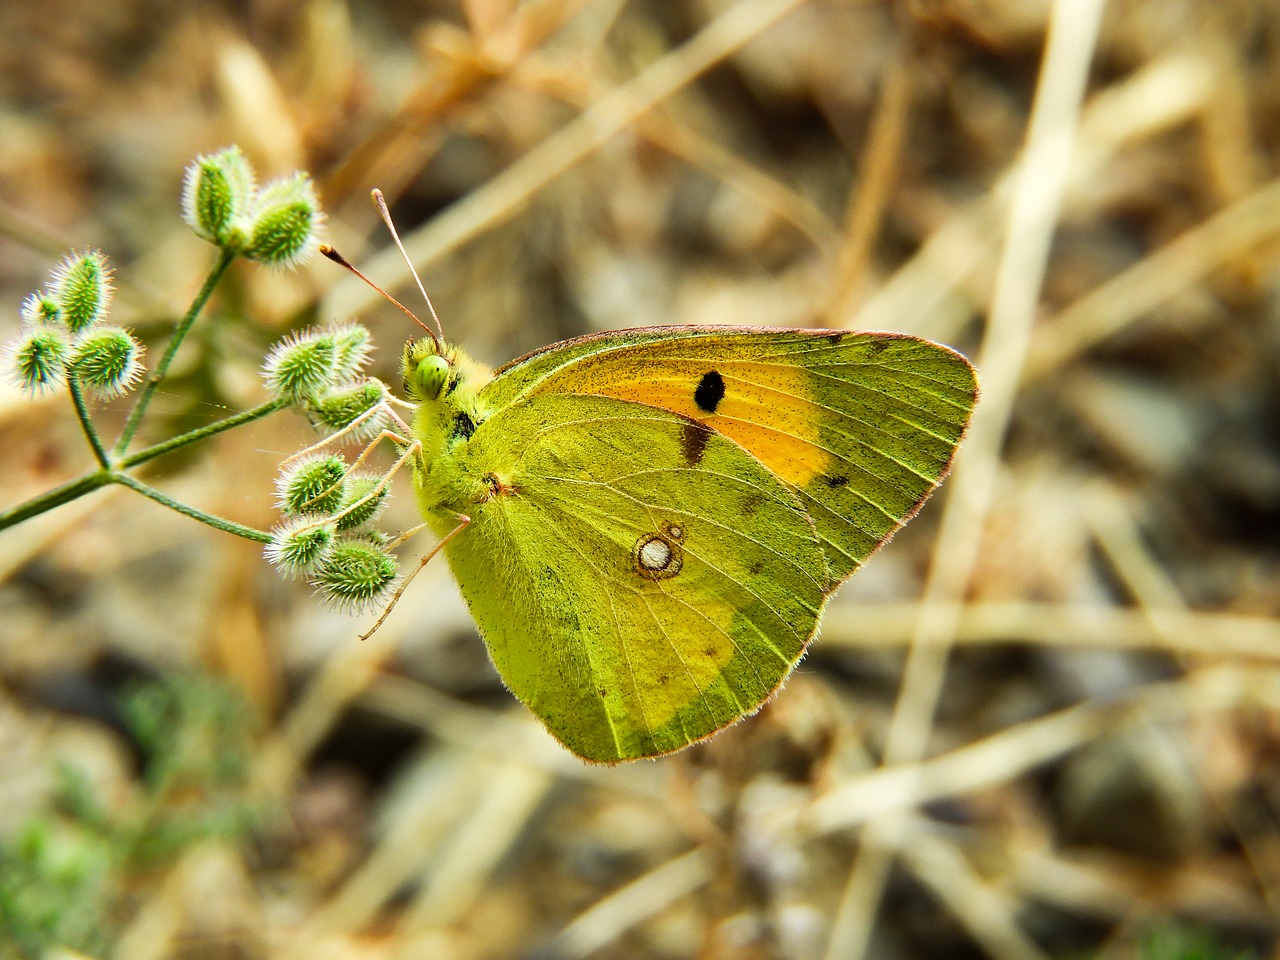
<point>302,365</point>
<point>285,222</point>
<point>343,406</point>
<point>40,309</point>
<point>359,488</point>
<point>354,344</point>
<point>299,544</point>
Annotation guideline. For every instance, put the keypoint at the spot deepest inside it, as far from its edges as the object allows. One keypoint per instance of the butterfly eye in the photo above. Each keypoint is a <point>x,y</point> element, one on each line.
<point>431,376</point>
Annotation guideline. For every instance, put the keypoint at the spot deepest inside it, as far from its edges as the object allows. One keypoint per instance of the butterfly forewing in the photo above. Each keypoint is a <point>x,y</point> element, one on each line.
<point>635,600</point>
<point>860,426</point>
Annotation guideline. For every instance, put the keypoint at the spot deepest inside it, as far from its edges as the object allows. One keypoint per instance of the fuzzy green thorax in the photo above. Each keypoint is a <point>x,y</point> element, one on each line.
<point>445,384</point>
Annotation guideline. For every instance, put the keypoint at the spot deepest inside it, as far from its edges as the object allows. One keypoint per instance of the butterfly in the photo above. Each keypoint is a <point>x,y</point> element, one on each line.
<point>647,524</point>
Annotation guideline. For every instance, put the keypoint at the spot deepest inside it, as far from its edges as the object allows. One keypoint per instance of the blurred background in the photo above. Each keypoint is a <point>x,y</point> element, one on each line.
<point>1043,722</point>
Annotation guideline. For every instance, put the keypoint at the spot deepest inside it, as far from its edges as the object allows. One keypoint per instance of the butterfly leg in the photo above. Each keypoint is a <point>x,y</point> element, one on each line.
<point>411,449</point>
<point>463,521</point>
<point>381,409</point>
<point>400,440</point>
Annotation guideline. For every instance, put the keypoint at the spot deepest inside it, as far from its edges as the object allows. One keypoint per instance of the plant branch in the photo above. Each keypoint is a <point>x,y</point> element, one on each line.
<point>179,334</point>
<point>202,433</point>
<point>72,490</point>
<point>226,526</point>
<point>86,424</point>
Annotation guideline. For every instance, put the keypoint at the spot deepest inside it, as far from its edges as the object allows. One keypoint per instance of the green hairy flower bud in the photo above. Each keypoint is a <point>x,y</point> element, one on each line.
<point>37,360</point>
<point>302,365</point>
<point>81,286</point>
<point>41,310</point>
<point>286,218</point>
<point>313,485</point>
<point>354,343</point>
<point>276,224</point>
<point>356,574</point>
<point>217,193</point>
<point>299,545</point>
<point>361,505</point>
<point>340,408</point>
<point>107,361</point>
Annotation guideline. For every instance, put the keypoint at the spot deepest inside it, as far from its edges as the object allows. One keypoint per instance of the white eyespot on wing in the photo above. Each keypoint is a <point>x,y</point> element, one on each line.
<point>656,556</point>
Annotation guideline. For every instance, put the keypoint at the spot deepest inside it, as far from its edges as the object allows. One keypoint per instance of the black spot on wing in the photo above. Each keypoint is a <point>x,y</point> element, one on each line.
<point>710,391</point>
<point>836,481</point>
<point>694,437</point>
<point>463,426</point>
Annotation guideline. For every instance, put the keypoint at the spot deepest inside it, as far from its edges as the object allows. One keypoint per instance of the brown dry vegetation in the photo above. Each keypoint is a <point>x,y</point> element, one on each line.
<point>1043,722</point>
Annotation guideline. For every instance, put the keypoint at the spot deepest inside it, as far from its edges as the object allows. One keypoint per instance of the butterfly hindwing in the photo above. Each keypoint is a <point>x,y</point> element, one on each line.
<point>640,580</point>
<point>860,426</point>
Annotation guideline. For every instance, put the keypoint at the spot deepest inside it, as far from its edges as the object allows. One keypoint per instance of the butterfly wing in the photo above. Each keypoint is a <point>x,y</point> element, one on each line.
<point>635,601</point>
<point>861,426</point>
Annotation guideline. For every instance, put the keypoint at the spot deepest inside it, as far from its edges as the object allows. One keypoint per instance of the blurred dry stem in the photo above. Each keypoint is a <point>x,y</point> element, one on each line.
<point>988,914</point>
<point>865,209</point>
<point>1132,295</point>
<point>1021,748</point>
<point>1038,191</point>
<point>506,194</point>
<point>949,276</point>
<point>881,626</point>
<point>606,920</point>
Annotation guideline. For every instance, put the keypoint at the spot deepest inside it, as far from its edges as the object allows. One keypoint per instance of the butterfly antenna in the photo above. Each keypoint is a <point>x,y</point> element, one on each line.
<point>343,262</point>
<point>386,218</point>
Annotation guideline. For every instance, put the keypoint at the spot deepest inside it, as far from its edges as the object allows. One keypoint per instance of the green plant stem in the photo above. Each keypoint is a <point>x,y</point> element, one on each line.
<point>101,478</point>
<point>179,334</point>
<point>226,526</point>
<point>74,489</point>
<point>86,424</point>
<point>201,433</point>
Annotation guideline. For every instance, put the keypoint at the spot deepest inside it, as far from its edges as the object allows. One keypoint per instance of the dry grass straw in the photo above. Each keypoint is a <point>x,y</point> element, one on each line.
<point>1037,195</point>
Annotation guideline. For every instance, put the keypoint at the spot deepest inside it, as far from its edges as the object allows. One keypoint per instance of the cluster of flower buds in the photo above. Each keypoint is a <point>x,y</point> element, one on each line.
<point>329,508</point>
<point>319,371</point>
<point>327,533</point>
<point>275,224</point>
<point>65,335</point>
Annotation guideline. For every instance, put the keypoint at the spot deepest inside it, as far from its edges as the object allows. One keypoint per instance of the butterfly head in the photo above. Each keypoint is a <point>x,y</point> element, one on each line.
<point>435,369</point>
<point>430,370</point>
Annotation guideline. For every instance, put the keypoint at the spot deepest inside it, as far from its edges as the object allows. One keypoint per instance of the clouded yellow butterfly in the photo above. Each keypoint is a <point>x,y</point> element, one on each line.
<point>658,516</point>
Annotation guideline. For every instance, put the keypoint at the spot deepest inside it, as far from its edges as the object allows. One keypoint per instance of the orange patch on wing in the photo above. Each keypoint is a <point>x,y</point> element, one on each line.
<point>766,408</point>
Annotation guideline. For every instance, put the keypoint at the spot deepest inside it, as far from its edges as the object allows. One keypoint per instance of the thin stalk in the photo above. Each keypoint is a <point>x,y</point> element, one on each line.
<point>226,526</point>
<point>86,424</point>
<point>179,334</point>
<point>72,490</point>
<point>201,433</point>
